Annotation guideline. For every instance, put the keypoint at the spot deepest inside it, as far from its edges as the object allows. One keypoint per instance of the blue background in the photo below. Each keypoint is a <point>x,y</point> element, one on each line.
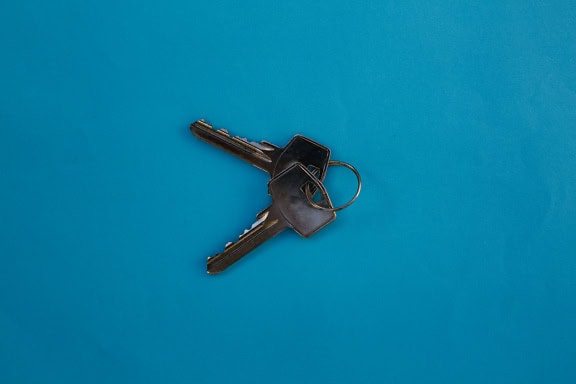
<point>456,265</point>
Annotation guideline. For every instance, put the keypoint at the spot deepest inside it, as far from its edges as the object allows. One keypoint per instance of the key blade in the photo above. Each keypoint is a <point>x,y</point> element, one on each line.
<point>268,224</point>
<point>261,155</point>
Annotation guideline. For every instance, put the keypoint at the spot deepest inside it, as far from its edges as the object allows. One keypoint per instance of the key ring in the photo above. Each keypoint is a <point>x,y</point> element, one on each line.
<point>330,164</point>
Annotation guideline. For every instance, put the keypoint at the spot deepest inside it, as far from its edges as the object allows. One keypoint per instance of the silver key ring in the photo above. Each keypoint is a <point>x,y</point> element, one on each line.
<point>343,164</point>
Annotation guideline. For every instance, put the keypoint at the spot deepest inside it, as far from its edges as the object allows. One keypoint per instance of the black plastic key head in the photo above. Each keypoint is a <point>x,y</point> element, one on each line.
<point>290,199</point>
<point>309,153</point>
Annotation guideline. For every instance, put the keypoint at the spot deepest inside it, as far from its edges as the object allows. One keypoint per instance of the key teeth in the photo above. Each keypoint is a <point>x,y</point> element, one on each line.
<point>262,145</point>
<point>204,123</point>
<point>260,218</point>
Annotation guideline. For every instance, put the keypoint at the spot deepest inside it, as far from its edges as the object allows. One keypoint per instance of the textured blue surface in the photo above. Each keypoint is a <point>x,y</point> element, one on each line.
<point>456,265</point>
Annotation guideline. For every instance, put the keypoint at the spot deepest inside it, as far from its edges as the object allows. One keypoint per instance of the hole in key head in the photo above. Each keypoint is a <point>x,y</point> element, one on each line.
<point>312,192</point>
<point>336,193</point>
<point>317,196</point>
<point>309,188</point>
<point>314,201</point>
<point>314,170</point>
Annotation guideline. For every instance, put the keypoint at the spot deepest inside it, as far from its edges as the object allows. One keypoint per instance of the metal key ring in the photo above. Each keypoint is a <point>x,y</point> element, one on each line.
<point>343,164</point>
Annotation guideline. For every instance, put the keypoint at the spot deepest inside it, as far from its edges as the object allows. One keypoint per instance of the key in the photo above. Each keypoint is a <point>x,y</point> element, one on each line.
<point>289,209</point>
<point>264,155</point>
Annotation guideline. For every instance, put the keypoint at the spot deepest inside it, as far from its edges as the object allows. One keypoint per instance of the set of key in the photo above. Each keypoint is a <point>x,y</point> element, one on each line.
<point>296,173</point>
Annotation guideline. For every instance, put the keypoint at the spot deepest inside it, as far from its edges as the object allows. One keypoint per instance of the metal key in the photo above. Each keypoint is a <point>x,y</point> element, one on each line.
<point>290,209</point>
<point>264,155</point>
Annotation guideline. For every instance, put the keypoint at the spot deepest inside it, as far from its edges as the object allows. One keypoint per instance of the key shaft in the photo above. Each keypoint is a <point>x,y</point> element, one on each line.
<point>268,225</point>
<point>261,155</point>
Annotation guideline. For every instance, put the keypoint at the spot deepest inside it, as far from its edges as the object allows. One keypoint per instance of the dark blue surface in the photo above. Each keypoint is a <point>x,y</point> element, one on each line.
<point>456,265</point>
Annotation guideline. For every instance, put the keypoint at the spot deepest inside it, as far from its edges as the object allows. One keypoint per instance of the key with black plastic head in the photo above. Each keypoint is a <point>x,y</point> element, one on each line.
<point>290,208</point>
<point>265,155</point>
